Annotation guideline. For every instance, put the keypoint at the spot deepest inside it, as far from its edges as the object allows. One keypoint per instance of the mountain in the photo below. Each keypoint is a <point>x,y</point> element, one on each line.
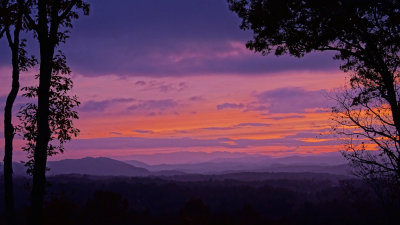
<point>324,163</point>
<point>234,167</point>
<point>138,164</point>
<point>95,166</point>
<point>263,164</point>
<point>186,157</point>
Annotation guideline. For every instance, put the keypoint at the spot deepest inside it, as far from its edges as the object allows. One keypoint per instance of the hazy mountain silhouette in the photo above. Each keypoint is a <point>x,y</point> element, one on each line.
<point>233,167</point>
<point>185,157</point>
<point>324,163</point>
<point>109,167</point>
<point>95,166</point>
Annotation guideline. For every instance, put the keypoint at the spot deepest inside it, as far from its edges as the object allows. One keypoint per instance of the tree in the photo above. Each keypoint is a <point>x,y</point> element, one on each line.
<point>51,21</point>
<point>365,35</point>
<point>61,113</point>
<point>363,121</point>
<point>11,25</point>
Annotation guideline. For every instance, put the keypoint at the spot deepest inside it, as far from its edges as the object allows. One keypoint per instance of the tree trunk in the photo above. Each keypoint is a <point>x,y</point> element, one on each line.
<point>8,126</point>
<point>9,136</point>
<point>43,135</point>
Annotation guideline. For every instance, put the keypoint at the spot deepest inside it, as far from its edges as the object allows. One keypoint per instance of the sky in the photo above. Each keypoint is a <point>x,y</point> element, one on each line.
<point>160,76</point>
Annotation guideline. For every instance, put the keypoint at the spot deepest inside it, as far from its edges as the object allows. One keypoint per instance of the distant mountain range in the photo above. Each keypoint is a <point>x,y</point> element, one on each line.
<point>324,163</point>
<point>187,157</point>
<point>233,167</point>
<point>91,166</point>
<point>102,166</point>
<point>95,166</point>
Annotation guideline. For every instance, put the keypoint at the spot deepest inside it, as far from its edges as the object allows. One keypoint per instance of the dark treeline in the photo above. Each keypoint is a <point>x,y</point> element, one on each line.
<point>79,199</point>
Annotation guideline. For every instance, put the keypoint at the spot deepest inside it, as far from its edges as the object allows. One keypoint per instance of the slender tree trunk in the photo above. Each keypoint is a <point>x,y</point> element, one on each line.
<point>9,136</point>
<point>8,126</point>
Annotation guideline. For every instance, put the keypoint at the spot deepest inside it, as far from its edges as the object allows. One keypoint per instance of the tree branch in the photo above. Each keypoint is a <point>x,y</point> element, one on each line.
<point>9,38</point>
<point>67,11</point>
<point>2,31</point>
<point>31,23</point>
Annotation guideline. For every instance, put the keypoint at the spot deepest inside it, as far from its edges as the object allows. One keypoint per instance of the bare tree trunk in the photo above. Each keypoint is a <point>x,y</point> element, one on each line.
<point>9,136</point>
<point>43,136</point>
<point>8,126</point>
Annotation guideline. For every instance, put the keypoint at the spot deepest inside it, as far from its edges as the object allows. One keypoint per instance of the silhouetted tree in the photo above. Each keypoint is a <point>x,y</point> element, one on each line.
<point>51,21</point>
<point>365,35</point>
<point>363,121</point>
<point>61,113</point>
<point>11,25</point>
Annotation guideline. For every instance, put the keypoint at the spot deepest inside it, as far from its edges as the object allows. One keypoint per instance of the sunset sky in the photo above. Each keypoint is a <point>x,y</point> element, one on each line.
<point>160,76</point>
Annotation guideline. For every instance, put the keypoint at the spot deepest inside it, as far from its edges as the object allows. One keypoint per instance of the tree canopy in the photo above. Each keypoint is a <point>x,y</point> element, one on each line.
<point>62,112</point>
<point>364,34</point>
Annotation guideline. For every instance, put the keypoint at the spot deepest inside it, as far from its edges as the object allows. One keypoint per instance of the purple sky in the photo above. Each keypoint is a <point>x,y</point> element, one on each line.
<point>160,76</point>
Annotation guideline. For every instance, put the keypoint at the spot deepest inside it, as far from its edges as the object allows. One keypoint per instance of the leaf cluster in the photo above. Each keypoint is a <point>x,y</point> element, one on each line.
<point>62,112</point>
<point>58,14</point>
<point>364,34</point>
<point>11,25</point>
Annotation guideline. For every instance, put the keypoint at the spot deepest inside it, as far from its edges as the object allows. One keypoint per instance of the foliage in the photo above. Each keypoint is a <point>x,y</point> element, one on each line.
<point>11,24</point>
<point>364,34</point>
<point>59,14</point>
<point>62,112</point>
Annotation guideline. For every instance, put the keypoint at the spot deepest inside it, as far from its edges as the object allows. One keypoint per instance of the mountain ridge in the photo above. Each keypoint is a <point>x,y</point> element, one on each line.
<point>103,166</point>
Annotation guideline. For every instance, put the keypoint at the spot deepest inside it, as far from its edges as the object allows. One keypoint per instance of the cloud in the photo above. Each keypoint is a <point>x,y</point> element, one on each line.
<point>136,142</point>
<point>287,142</point>
<point>140,83</point>
<point>218,128</point>
<point>196,98</point>
<point>253,125</point>
<point>289,100</point>
<point>229,106</point>
<point>149,143</point>
<point>162,86</point>
<point>240,125</point>
<point>150,105</point>
<point>100,106</point>
<point>165,88</point>
<point>144,131</point>
<point>285,117</point>
<point>130,38</point>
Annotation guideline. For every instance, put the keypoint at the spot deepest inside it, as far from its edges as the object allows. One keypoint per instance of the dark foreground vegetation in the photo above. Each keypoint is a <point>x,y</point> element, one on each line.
<point>278,199</point>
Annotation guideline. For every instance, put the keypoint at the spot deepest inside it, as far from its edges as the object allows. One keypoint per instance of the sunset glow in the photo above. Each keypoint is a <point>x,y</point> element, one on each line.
<point>197,91</point>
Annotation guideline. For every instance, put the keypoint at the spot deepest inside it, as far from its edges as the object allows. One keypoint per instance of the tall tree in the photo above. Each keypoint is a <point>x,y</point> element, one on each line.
<point>61,112</point>
<point>51,21</point>
<point>365,35</point>
<point>11,25</point>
